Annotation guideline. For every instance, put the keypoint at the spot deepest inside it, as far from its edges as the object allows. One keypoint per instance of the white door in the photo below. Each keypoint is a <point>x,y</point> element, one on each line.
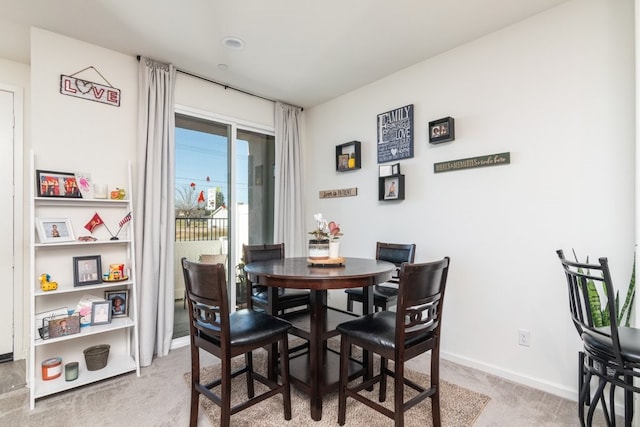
<point>6,212</point>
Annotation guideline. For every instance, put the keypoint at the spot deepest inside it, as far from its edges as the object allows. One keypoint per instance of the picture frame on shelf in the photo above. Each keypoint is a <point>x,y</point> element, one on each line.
<point>63,325</point>
<point>42,320</point>
<point>54,230</point>
<point>87,270</point>
<point>442,130</point>
<point>388,170</point>
<point>119,302</point>
<point>391,188</point>
<point>100,312</point>
<point>57,184</point>
<point>348,156</point>
<point>85,184</point>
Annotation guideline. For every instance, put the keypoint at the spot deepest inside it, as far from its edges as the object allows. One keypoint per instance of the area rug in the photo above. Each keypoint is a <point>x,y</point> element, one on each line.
<point>459,407</point>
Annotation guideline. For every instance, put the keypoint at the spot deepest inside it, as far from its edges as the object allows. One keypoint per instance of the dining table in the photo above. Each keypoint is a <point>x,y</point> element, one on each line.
<point>316,371</point>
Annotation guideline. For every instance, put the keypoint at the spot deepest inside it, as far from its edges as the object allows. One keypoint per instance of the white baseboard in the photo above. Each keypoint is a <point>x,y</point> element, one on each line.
<point>548,387</point>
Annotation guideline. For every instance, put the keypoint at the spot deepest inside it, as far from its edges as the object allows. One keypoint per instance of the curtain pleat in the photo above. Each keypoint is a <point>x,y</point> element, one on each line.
<point>289,181</point>
<point>154,208</point>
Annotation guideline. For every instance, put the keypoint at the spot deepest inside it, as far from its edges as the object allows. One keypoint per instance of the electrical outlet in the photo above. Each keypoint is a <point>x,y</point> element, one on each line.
<point>524,337</point>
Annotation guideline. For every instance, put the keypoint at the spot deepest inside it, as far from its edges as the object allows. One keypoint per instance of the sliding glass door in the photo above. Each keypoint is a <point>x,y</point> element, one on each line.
<point>224,198</point>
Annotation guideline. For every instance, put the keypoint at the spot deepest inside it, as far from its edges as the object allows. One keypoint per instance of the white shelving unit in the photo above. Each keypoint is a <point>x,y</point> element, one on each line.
<point>56,259</point>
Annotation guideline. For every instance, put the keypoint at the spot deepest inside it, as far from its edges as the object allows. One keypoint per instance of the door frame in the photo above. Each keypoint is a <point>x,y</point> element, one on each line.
<point>20,292</point>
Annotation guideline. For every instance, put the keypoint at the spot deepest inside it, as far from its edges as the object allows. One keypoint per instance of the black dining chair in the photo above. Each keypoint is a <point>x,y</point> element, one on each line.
<point>611,353</point>
<point>226,335</point>
<point>258,296</point>
<point>399,336</point>
<point>385,293</point>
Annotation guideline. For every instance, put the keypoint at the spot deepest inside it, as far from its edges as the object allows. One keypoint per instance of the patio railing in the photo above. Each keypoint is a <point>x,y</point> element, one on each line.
<point>198,229</point>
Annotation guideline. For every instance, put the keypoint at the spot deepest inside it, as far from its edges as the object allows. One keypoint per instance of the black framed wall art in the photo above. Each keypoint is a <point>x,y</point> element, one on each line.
<point>395,134</point>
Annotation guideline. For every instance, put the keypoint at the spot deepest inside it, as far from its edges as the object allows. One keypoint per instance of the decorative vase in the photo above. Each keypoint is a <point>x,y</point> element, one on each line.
<point>334,249</point>
<point>318,249</point>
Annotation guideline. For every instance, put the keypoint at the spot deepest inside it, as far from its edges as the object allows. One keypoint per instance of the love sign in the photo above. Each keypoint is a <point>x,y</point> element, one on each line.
<point>85,89</point>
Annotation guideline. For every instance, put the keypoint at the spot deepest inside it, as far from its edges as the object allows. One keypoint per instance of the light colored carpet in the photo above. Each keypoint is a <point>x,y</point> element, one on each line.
<point>459,406</point>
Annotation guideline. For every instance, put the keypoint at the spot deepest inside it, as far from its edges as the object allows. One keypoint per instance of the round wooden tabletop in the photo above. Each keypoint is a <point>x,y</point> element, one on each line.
<point>299,273</point>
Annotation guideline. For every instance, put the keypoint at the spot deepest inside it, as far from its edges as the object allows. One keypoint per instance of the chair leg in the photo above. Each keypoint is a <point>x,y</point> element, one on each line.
<point>398,394</point>
<point>349,302</point>
<point>628,402</point>
<point>284,373</point>
<point>382,395</point>
<point>435,383</point>
<point>195,379</point>
<point>345,348</point>
<point>248,360</point>
<point>225,390</point>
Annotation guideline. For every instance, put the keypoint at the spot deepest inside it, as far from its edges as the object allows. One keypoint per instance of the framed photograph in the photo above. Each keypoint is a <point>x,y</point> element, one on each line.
<point>442,130</point>
<point>54,230</point>
<point>348,156</point>
<point>57,184</point>
<point>87,270</point>
<point>343,162</point>
<point>42,320</point>
<point>119,302</point>
<point>387,170</point>
<point>391,187</point>
<point>63,325</point>
<point>101,312</point>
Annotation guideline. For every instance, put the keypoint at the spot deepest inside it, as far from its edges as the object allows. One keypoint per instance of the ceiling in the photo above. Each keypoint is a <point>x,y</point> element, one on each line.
<point>297,51</point>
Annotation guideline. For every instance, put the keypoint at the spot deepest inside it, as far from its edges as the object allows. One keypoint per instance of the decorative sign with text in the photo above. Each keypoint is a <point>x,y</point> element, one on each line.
<point>345,192</point>
<point>395,134</point>
<point>85,89</point>
<point>473,162</point>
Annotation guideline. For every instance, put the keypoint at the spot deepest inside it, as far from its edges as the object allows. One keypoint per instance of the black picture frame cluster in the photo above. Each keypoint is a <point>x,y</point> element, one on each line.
<point>348,156</point>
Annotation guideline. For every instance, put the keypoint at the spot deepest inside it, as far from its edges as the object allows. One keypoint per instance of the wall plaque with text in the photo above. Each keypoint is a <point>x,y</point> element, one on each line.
<point>473,162</point>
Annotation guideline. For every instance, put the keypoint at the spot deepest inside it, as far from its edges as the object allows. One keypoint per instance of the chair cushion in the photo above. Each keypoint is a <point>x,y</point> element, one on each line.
<point>629,342</point>
<point>380,292</point>
<point>378,329</point>
<point>249,326</point>
<point>284,294</point>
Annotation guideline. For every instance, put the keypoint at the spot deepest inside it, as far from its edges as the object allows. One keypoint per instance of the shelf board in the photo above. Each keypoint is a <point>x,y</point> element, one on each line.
<point>116,365</point>
<point>79,243</point>
<point>63,201</point>
<point>64,289</point>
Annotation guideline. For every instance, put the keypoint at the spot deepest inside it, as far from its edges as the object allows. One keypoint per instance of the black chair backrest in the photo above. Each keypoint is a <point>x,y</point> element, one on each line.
<point>254,253</point>
<point>396,253</point>
<point>208,298</point>
<point>420,299</point>
<point>583,278</point>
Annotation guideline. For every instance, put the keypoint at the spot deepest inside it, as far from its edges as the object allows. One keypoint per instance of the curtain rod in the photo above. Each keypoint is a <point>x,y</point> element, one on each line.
<point>226,86</point>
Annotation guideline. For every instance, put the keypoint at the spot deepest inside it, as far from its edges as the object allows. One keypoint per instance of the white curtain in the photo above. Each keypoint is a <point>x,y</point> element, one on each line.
<point>154,207</point>
<point>289,181</point>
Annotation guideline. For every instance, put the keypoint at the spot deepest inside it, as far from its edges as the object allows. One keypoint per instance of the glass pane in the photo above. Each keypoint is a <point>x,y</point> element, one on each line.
<point>202,184</point>
<point>255,162</point>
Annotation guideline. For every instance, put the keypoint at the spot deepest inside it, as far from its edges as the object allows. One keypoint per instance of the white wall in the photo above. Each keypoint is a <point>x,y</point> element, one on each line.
<point>557,92</point>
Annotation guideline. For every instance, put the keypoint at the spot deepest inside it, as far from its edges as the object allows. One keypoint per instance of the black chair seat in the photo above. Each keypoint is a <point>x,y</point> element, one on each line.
<point>379,329</point>
<point>629,343</point>
<point>248,327</point>
<point>379,291</point>
<point>384,294</point>
<point>284,295</point>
